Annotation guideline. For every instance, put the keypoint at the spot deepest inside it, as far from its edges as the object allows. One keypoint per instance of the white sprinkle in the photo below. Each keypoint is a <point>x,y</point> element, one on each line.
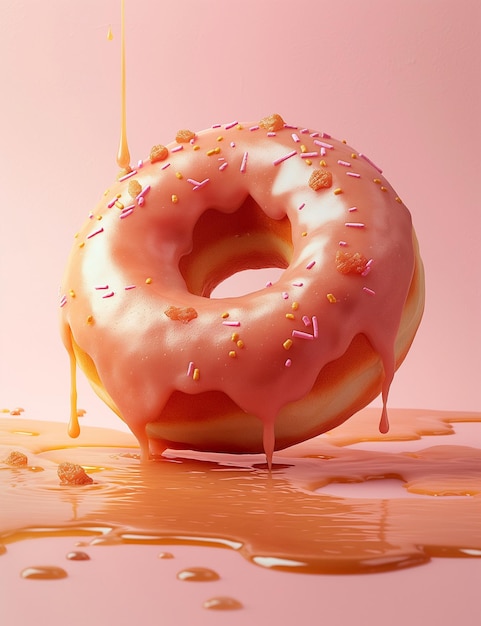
<point>295,137</point>
<point>355,225</point>
<point>140,163</point>
<point>223,166</point>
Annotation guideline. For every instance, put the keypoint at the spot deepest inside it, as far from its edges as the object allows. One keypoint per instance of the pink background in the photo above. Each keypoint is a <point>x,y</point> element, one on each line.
<point>398,80</point>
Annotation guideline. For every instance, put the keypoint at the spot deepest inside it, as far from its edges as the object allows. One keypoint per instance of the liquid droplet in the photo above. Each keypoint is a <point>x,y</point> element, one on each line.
<point>3,549</point>
<point>78,555</point>
<point>110,34</point>
<point>198,574</point>
<point>223,603</point>
<point>166,555</point>
<point>43,572</point>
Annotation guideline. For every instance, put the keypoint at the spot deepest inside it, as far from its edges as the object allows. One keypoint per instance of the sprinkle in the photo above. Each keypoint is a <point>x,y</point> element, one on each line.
<point>331,298</point>
<point>119,205</point>
<point>295,137</point>
<point>225,315</point>
<point>303,148</point>
<point>196,148</point>
<point>288,363</point>
<point>198,185</point>
<point>213,151</point>
<point>220,138</point>
<point>128,175</point>
<point>285,295</point>
<point>229,323</point>
<point>232,144</point>
<point>369,291</point>
<point>112,202</point>
<point>63,301</point>
<point>164,167</point>
<point>297,284</point>
<point>256,127</point>
<point>244,162</point>
<point>232,354</point>
<point>355,225</point>
<point>108,295</point>
<point>344,163</point>
<point>271,134</point>
<point>378,181</point>
<point>308,155</point>
<point>322,152</point>
<point>174,198</point>
<point>269,283</point>
<point>223,166</point>
<point>301,206</point>
<point>370,162</point>
<point>143,192</point>
<point>354,174</point>
<point>177,148</point>
<point>353,208</point>
<point>95,232</point>
<point>398,199</point>
<point>337,191</point>
<point>315,326</point>
<point>299,334</point>
<point>234,336</point>
<point>81,244</point>
<point>295,304</point>
<point>148,281</point>
<point>230,125</point>
<point>323,144</point>
<point>383,188</point>
<point>217,125</point>
<point>179,175</point>
<point>128,287</point>
<point>126,212</point>
<point>196,374</point>
<point>90,319</point>
<point>290,316</point>
<point>140,163</point>
<point>306,319</point>
<point>310,265</point>
<point>101,287</point>
<point>308,162</point>
<point>285,157</point>
<point>287,344</point>
<point>343,243</point>
<point>190,368</point>
<point>240,343</point>
<point>367,268</point>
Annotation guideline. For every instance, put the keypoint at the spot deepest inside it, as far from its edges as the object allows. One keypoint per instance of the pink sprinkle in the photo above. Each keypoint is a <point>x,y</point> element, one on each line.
<point>344,163</point>
<point>353,208</point>
<point>192,181</point>
<point>143,192</point>
<point>306,320</point>
<point>126,212</point>
<point>285,295</point>
<point>101,287</point>
<point>315,326</point>
<point>254,127</point>
<point>295,137</point>
<point>367,268</point>
<point>231,125</point>
<point>290,126</point>
<point>217,125</point>
<point>223,166</point>
<point>325,136</point>
<point>129,175</point>
<point>108,295</point>
<point>227,323</point>
<point>302,206</point>
<point>301,335</point>
<point>308,155</point>
<point>316,134</point>
<point>323,144</point>
<point>141,201</point>
<point>177,148</point>
<point>203,183</point>
<point>322,152</point>
<point>354,174</point>
<point>128,287</point>
<point>63,301</point>
<point>112,202</point>
<point>369,291</point>
<point>354,224</point>
<point>285,157</point>
<point>288,363</point>
<point>304,131</point>
<point>140,163</point>
<point>310,265</point>
<point>96,232</point>
<point>232,144</point>
<point>271,133</point>
<point>244,162</point>
<point>297,284</point>
<point>164,167</point>
<point>370,162</point>
<point>269,283</point>
<point>190,368</point>
<point>343,243</point>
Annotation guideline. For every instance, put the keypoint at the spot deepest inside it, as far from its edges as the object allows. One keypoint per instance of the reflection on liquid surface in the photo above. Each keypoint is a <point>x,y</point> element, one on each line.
<point>425,502</point>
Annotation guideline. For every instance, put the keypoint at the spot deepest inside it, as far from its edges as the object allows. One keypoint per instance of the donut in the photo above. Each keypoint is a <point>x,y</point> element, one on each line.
<point>257,372</point>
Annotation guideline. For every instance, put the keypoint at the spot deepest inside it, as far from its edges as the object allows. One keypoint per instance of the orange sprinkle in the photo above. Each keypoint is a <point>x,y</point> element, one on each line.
<point>303,148</point>
<point>119,205</point>
<point>196,374</point>
<point>377,181</point>
<point>220,138</point>
<point>331,297</point>
<point>337,191</point>
<point>81,244</point>
<point>320,179</point>
<point>196,147</point>
<point>272,123</point>
<point>290,316</point>
<point>184,136</point>
<point>287,344</point>
<point>234,336</point>
<point>322,163</point>
<point>225,315</point>
<point>308,161</point>
<point>148,281</point>
<point>179,175</point>
<point>174,198</point>
<point>240,343</point>
<point>71,293</point>
<point>398,199</point>
<point>213,151</point>
<point>295,305</point>
<point>90,319</point>
<point>232,354</point>
<point>304,234</point>
<point>353,155</point>
<point>383,188</point>
<point>134,188</point>
<point>158,153</point>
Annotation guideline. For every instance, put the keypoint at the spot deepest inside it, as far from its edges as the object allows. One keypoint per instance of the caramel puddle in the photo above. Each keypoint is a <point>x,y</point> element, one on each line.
<point>285,519</point>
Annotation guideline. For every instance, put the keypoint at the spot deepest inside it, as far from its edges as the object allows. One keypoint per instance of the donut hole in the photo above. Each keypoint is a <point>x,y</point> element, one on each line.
<point>225,244</point>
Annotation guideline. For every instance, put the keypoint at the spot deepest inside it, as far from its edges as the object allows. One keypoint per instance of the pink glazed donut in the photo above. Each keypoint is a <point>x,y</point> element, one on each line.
<point>261,371</point>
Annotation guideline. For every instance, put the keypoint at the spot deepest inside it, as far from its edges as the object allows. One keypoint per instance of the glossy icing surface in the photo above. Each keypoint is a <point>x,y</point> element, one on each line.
<point>135,294</point>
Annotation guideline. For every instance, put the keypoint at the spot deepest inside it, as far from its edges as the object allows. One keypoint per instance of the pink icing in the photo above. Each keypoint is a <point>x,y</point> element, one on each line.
<point>124,272</point>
